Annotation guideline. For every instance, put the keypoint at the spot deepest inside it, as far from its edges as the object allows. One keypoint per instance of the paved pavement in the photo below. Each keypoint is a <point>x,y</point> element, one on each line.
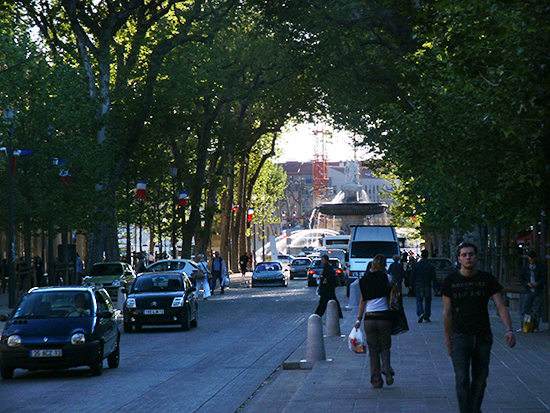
<point>519,380</point>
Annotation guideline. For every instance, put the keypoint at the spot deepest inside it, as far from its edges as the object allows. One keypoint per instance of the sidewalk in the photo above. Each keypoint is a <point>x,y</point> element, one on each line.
<point>519,380</point>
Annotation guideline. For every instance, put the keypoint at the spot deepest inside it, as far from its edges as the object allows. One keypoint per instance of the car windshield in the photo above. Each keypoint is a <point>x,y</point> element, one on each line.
<point>159,283</point>
<point>268,267</point>
<point>106,269</point>
<point>368,249</point>
<point>333,262</point>
<point>301,262</point>
<point>55,304</point>
<point>441,264</point>
<point>167,266</point>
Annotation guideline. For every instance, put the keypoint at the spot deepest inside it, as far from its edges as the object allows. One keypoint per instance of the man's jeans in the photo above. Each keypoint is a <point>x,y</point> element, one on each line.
<point>532,299</point>
<point>474,351</point>
<point>424,295</point>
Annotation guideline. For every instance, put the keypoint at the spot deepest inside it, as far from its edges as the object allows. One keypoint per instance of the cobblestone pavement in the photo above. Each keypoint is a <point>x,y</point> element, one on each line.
<point>519,379</point>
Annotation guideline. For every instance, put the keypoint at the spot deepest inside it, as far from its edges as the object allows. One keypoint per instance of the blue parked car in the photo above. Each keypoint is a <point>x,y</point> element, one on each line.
<point>55,328</point>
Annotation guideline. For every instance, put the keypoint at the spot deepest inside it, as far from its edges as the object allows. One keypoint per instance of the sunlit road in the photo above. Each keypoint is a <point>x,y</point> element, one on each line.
<point>242,337</point>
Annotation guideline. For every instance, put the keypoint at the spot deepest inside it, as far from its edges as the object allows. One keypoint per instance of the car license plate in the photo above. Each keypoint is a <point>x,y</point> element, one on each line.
<point>47,353</point>
<point>153,312</point>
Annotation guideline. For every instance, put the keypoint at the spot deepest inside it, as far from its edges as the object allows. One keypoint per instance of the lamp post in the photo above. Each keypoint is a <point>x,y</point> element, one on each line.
<point>9,115</point>
<point>174,174</point>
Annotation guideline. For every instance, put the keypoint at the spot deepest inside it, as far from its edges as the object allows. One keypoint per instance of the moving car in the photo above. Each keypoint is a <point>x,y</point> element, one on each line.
<point>161,299</point>
<point>179,266</point>
<point>111,276</point>
<point>299,267</point>
<point>443,267</point>
<point>285,260</point>
<point>269,273</point>
<point>316,270</point>
<point>60,327</point>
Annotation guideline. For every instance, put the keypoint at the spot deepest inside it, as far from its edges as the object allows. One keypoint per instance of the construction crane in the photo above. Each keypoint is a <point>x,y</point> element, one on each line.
<point>320,168</point>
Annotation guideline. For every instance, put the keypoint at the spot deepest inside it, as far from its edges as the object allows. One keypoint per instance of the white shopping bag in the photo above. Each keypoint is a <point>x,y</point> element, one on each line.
<point>356,341</point>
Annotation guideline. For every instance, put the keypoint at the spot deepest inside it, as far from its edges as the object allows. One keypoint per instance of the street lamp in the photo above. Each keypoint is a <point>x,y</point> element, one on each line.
<point>8,115</point>
<point>174,174</point>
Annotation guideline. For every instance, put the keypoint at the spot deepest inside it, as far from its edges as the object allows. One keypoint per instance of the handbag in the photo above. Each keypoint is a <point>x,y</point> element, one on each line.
<point>225,281</point>
<point>399,324</point>
<point>200,275</point>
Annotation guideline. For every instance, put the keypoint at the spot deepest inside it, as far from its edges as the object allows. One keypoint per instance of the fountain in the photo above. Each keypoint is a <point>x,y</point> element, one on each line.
<point>352,204</point>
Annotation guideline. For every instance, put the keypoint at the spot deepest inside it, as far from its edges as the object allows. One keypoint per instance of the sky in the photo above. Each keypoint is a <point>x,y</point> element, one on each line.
<point>298,143</point>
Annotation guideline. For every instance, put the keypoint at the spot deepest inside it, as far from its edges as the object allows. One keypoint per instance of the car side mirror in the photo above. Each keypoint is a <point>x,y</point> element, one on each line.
<point>191,290</point>
<point>105,314</point>
<point>4,317</point>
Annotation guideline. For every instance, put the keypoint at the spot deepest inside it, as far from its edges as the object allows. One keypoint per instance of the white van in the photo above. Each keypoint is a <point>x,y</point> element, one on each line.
<point>365,242</point>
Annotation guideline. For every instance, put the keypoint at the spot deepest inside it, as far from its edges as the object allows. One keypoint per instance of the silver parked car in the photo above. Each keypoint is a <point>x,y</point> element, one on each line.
<point>299,267</point>
<point>269,273</point>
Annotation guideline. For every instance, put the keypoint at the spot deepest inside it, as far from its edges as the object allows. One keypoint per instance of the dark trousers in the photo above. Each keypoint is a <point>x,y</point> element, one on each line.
<point>379,343</point>
<point>323,301</point>
<point>424,301</point>
<point>217,275</point>
<point>470,352</point>
<point>532,302</point>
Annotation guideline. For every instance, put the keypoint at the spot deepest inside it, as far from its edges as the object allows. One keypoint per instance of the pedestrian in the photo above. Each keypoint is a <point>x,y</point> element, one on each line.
<point>423,279</point>
<point>468,333</point>
<point>79,266</point>
<point>327,287</point>
<point>23,272</point>
<point>374,309</point>
<point>397,273</point>
<point>243,262</point>
<point>532,277</point>
<point>141,266</point>
<point>201,278</point>
<point>39,271</point>
<point>218,270</point>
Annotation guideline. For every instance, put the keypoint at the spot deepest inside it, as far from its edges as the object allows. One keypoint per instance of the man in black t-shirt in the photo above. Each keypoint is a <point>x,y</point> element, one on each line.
<point>468,333</point>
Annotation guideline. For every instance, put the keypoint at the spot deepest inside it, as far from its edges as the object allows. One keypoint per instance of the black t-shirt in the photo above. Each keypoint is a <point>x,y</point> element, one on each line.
<point>374,285</point>
<point>469,299</point>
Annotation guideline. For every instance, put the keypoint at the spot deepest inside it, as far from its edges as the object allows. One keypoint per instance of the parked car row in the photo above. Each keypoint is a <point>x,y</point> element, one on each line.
<point>64,327</point>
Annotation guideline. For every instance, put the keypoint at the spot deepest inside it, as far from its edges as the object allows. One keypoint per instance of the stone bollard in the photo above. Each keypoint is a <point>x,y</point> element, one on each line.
<point>333,319</point>
<point>121,297</point>
<point>315,341</point>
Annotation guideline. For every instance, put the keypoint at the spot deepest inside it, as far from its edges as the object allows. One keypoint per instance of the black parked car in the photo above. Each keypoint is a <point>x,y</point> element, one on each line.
<point>161,299</point>
<point>60,327</point>
<point>443,267</point>
<point>316,270</point>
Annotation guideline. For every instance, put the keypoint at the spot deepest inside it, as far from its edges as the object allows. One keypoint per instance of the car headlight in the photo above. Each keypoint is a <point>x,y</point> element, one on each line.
<point>14,341</point>
<point>116,283</point>
<point>78,339</point>
<point>131,303</point>
<point>177,302</point>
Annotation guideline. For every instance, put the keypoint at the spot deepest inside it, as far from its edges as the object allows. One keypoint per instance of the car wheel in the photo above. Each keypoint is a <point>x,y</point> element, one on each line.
<point>127,327</point>
<point>311,283</point>
<point>138,327</point>
<point>6,372</point>
<point>113,359</point>
<point>96,368</point>
<point>185,322</point>
<point>347,289</point>
<point>292,277</point>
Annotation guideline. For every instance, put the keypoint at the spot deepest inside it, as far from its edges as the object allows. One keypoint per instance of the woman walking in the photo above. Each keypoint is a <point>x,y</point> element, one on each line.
<point>374,309</point>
